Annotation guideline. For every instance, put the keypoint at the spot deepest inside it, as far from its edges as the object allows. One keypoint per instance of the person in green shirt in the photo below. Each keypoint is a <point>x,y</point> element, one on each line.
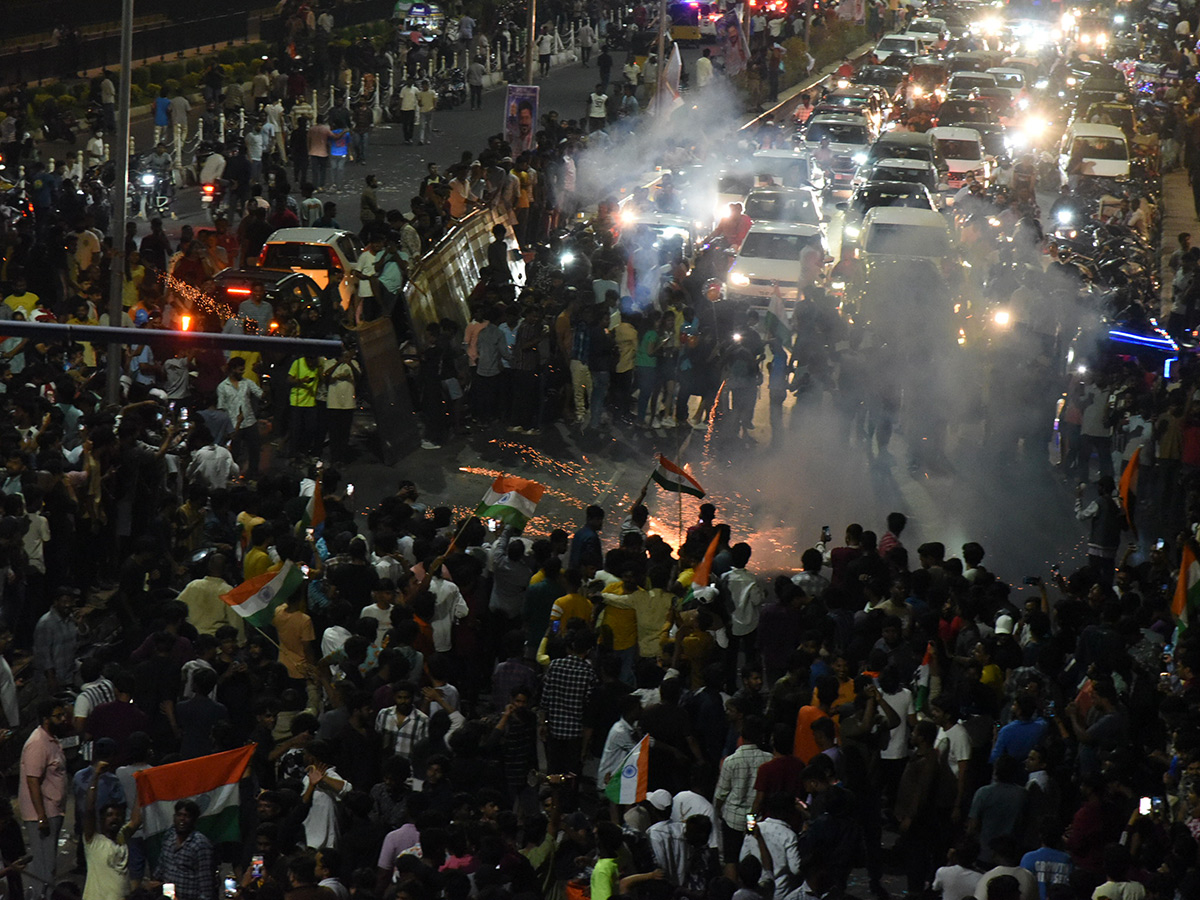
<point>606,877</point>
<point>645,367</point>
<point>304,377</point>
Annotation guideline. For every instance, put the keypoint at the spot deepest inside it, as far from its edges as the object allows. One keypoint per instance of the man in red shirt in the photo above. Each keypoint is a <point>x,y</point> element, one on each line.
<point>846,69</point>
<point>734,227</point>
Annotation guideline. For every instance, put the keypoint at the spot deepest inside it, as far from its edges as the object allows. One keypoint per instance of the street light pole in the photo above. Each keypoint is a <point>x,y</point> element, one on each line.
<point>120,201</point>
<point>530,40</point>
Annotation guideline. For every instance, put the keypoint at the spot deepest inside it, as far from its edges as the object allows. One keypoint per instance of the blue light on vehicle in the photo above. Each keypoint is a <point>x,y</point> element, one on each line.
<point>1144,340</point>
<point>1169,367</point>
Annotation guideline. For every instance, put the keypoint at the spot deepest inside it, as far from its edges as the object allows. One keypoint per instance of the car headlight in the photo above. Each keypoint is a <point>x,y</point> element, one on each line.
<point>852,231</point>
<point>738,279</point>
<point>837,285</point>
<point>1003,318</point>
<point>918,92</point>
<point>147,179</point>
<point>1071,82</point>
<point>859,158</point>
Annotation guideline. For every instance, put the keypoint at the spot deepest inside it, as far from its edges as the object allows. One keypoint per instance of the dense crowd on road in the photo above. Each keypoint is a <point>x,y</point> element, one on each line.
<point>453,708</point>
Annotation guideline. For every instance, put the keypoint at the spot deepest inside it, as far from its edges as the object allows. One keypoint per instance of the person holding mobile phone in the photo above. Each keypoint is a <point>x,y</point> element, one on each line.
<point>187,858</point>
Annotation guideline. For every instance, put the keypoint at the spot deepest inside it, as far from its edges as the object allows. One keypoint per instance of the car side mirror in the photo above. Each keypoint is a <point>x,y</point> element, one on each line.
<point>843,206</point>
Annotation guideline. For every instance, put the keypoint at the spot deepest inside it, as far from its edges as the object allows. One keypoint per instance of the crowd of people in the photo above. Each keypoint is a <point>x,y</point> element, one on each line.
<point>455,708</point>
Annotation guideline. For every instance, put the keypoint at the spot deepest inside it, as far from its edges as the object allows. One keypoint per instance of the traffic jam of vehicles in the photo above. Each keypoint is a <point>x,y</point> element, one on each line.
<point>1002,168</point>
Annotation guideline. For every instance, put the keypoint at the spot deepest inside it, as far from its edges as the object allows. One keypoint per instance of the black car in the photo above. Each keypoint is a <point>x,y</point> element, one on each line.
<point>234,286</point>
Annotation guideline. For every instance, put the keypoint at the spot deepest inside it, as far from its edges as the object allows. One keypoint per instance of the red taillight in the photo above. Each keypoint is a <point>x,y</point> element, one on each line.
<point>241,292</point>
<point>209,188</point>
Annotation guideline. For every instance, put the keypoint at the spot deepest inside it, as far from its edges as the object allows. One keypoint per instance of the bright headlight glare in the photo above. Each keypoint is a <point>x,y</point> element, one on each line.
<point>738,279</point>
<point>147,178</point>
<point>852,231</point>
<point>1002,318</point>
<point>1065,217</point>
<point>860,158</point>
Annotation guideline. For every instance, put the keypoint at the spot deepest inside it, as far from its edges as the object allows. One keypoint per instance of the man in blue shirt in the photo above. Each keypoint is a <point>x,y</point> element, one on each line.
<point>1048,864</point>
<point>585,545</point>
<point>1022,734</point>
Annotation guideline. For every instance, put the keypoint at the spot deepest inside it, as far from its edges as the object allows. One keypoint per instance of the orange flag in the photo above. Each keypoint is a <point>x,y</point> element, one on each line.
<point>704,571</point>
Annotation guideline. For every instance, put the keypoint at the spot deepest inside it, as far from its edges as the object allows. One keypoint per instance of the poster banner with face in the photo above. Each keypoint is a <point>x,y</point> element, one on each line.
<point>733,43</point>
<point>520,116</point>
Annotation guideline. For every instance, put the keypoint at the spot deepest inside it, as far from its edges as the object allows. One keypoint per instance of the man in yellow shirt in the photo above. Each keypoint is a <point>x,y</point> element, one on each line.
<point>206,610</point>
<point>653,609</point>
<point>622,620</point>
<point>573,605</point>
<point>21,298</point>
<point>304,377</point>
<point>258,560</point>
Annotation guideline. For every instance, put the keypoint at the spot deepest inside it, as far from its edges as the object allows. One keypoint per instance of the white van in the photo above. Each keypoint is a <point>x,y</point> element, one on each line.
<point>962,151</point>
<point>895,231</point>
<point>1099,150</point>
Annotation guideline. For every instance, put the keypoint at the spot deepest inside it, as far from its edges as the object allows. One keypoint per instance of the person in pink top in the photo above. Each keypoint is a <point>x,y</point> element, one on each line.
<point>319,136</point>
<point>42,792</point>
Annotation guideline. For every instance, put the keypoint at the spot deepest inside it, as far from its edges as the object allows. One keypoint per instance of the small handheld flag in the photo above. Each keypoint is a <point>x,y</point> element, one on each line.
<point>671,477</point>
<point>255,599</point>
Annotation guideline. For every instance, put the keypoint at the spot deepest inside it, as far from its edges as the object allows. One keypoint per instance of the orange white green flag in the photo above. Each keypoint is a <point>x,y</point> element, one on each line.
<point>628,784</point>
<point>211,781</point>
<point>510,499</point>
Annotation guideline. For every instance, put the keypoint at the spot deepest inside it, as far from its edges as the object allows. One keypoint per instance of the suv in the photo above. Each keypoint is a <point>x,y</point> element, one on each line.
<point>773,254</point>
<point>849,137</point>
<point>313,251</point>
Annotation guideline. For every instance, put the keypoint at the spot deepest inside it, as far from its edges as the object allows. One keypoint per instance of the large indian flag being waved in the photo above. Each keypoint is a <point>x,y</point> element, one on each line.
<point>510,499</point>
<point>211,781</point>
<point>255,598</point>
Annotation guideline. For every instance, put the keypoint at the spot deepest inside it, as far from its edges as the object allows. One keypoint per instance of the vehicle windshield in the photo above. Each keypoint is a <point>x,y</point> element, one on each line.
<point>735,184</point>
<point>769,206</point>
<point>868,198</point>
<point>899,173</point>
<point>298,256</point>
<point>927,74</point>
<point>958,111</point>
<point>762,245</point>
<point>837,132</point>
<point>1099,148</point>
<point>907,240</point>
<point>877,75</point>
<point>955,149</point>
<point>971,79</point>
<point>1010,79</point>
<point>925,27</point>
<point>895,43</point>
<point>789,173</point>
<point>883,150</point>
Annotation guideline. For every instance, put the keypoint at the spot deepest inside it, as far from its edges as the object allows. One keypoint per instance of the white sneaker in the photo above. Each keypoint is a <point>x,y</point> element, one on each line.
<point>430,445</point>
<point>656,422</point>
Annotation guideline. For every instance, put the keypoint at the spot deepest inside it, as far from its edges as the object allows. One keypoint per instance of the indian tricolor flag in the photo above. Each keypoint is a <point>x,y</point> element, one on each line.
<point>210,781</point>
<point>510,499</point>
<point>924,673</point>
<point>255,598</point>
<point>670,477</point>
<point>1128,487</point>
<point>1187,590</point>
<point>628,784</point>
<point>314,512</point>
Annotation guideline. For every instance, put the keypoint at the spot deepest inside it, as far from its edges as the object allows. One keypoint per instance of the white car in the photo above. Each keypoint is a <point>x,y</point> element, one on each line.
<point>928,27</point>
<point>732,187</point>
<point>904,44</point>
<point>905,233</point>
<point>313,251</point>
<point>773,254</point>
<point>967,80</point>
<point>962,151</point>
<point>668,229</point>
<point>1100,150</point>
<point>796,206</point>
<point>787,168</point>
<point>1011,79</point>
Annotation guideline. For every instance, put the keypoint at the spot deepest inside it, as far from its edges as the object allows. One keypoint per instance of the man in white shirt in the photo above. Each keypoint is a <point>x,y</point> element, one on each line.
<point>746,595</point>
<point>597,109</point>
<point>212,465</point>
<point>449,607</point>
<point>622,737</point>
<point>380,610</point>
<point>772,833</point>
<point>235,397</point>
<point>953,744</point>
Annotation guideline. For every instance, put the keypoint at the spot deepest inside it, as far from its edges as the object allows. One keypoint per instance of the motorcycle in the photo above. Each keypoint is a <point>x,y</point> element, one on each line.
<point>150,193</point>
<point>212,196</point>
<point>451,87</point>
